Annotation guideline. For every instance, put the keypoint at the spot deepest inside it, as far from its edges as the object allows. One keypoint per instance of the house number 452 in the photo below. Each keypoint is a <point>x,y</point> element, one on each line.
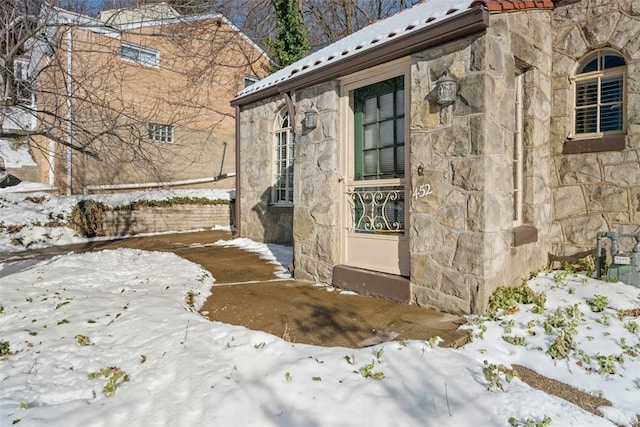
<point>423,191</point>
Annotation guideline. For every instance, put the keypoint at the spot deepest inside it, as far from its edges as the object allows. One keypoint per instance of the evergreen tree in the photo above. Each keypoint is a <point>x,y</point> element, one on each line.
<point>291,42</point>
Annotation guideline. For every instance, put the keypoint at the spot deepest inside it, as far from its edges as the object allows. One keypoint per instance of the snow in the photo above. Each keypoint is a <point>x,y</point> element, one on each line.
<point>15,157</point>
<point>422,15</point>
<point>71,320</point>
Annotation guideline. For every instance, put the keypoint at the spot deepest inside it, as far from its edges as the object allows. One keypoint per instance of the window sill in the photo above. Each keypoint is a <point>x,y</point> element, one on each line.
<point>594,145</point>
<point>280,208</point>
<point>524,234</point>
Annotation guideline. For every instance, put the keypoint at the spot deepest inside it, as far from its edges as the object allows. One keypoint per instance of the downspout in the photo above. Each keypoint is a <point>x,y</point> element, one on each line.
<point>52,162</point>
<point>69,113</point>
<point>236,213</point>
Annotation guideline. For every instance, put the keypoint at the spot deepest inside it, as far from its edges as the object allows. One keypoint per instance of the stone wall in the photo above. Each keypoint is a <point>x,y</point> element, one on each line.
<point>596,191</point>
<point>317,185</point>
<point>462,234</point>
<point>166,218</point>
<point>260,221</point>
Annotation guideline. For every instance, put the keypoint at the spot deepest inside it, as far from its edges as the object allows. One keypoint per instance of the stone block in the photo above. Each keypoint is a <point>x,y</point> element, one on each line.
<point>452,212</point>
<point>627,29</point>
<point>470,254</point>
<point>453,140</point>
<point>625,174</point>
<point>472,92</point>
<point>597,31</point>
<point>571,44</point>
<point>424,272</point>
<point>607,198</point>
<point>488,213</point>
<point>583,168</point>
<point>429,191</point>
<point>303,225</point>
<point>469,174</point>
<point>524,50</point>
<point>455,284</point>
<point>426,297</point>
<point>581,231</point>
<point>569,201</point>
<point>426,235</point>
<point>617,157</point>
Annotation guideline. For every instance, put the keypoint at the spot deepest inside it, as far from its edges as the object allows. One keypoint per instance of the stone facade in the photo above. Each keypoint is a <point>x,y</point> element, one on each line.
<point>463,242</point>
<point>593,191</point>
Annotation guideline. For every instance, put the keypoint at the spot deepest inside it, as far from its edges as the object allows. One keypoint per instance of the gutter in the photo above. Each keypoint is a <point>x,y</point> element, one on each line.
<point>469,22</point>
<point>236,211</point>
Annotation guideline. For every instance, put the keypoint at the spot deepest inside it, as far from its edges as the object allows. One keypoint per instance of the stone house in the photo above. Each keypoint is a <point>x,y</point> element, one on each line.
<point>449,149</point>
<point>147,91</point>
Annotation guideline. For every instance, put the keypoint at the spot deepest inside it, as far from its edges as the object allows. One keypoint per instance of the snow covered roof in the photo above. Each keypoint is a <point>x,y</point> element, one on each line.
<point>383,32</point>
<point>392,31</point>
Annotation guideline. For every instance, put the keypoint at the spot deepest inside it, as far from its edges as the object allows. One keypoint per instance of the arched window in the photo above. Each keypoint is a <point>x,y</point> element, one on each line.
<point>599,95</point>
<point>283,156</point>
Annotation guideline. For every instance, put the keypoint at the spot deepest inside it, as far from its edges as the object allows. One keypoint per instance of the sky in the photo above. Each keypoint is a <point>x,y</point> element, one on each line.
<point>114,338</point>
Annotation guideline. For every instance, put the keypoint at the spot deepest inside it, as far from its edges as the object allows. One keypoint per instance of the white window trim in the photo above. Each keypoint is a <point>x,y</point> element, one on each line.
<point>160,133</point>
<point>142,49</point>
<point>518,152</point>
<point>290,157</point>
<point>600,74</point>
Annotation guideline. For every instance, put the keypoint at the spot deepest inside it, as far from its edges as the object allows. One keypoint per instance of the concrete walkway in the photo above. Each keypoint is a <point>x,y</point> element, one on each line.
<point>248,293</point>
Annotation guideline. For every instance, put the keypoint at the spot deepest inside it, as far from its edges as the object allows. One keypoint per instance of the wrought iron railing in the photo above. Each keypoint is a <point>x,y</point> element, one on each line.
<point>377,210</point>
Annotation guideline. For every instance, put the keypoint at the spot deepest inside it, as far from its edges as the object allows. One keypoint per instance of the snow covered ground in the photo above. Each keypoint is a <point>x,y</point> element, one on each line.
<point>114,338</point>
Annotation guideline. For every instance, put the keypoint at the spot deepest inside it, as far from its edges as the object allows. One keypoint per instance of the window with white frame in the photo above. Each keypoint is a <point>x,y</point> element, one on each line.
<point>160,133</point>
<point>140,55</point>
<point>599,89</point>
<point>283,158</point>
<point>22,81</point>
<point>518,153</point>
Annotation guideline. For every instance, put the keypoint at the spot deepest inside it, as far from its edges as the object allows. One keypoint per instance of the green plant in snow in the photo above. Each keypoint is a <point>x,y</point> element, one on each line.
<point>632,327</point>
<point>379,354</point>
<point>629,350</point>
<point>545,422</point>
<point>506,298</point>
<point>350,359</point>
<point>494,373</point>
<point>288,377</point>
<point>4,348</point>
<point>561,345</point>
<point>513,340</point>
<point>603,320</point>
<point>189,299</point>
<point>598,303</point>
<point>1,309</point>
<point>367,371</point>
<point>82,340</point>
<point>508,325</point>
<point>114,377</point>
<point>608,363</point>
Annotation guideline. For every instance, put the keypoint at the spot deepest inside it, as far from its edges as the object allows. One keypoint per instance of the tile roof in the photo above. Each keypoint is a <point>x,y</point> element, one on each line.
<point>509,5</point>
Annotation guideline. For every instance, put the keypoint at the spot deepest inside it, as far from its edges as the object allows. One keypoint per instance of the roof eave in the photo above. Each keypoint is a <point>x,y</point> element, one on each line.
<point>466,23</point>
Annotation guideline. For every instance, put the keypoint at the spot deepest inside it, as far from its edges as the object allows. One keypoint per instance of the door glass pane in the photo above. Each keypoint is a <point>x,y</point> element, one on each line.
<point>400,130</point>
<point>370,140</point>
<point>370,163</point>
<point>386,106</point>
<point>370,110</point>
<point>387,164</point>
<point>386,133</point>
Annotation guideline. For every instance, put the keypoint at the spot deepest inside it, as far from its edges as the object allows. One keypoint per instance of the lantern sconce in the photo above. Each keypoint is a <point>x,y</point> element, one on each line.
<point>446,89</point>
<point>310,118</point>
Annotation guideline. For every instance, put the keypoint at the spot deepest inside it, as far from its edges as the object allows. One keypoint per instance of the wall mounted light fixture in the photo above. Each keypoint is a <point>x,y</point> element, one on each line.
<point>310,118</point>
<point>446,90</point>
